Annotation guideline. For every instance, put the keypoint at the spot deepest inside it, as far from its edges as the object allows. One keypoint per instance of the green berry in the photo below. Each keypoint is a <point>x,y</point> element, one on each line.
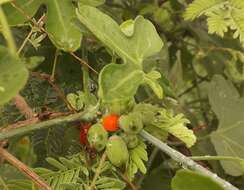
<point>131,140</point>
<point>131,123</point>
<point>97,137</point>
<point>117,151</point>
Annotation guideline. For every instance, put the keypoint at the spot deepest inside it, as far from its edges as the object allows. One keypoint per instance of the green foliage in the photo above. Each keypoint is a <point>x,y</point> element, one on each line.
<point>222,15</point>
<point>94,3</point>
<point>137,156</point>
<point>13,75</point>
<point>138,60</point>
<point>16,17</point>
<point>118,90</point>
<point>227,139</point>
<point>145,41</point>
<point>175,125</point>
<point>60,26</point>
<point>188,180</point>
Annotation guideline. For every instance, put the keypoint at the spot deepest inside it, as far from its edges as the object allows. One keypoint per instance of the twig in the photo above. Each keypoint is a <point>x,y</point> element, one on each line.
<point>47,77</point>
<point>43,29</point>
<point>24,169</point>
<point>5,187</point>
<point>54,65</point>
<point>29,35</point>
<point>177,156</point>
<point>6,32</point>
<point>23,107</point>
<point>83,62</point>
<point>126,179</point>
<point>98,171</point>
<point>86,115</point>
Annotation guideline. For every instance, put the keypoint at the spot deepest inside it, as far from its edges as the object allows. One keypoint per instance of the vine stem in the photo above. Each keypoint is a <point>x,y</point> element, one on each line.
<point>186,161</point>
<point>85,115</point>
<point>98,171</point>
<point>6,32</point>
<point>24,169</point>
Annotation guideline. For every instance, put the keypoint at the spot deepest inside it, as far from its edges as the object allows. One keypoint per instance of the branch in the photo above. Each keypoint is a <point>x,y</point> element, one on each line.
<point>85,115</point>
<point>177,156</point>
<point>23,107</point>
<point>24,169</point>
<point>98,171</point>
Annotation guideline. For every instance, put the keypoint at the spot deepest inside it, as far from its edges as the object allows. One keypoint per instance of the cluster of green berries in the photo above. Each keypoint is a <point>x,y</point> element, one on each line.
<point>113,134</point>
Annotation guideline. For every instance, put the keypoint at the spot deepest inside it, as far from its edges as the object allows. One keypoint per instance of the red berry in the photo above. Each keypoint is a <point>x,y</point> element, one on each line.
<point>111,122</point>
<point>83,134</point>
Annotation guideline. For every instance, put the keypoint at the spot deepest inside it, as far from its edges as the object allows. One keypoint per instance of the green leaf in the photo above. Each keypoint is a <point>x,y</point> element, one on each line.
<point>119,82</point>
<point>29,7</point>
<point>4,1</point>
<point>189,180</point>
<point>229,108</point>
<point>144,43</point>
<point>13,75</point>
<point>60,25</point>
<point>175,125</point>
<point>222,15</point>
<point>93,3</point>
<point>136,161</point>
<point>128,27</point>
<point>151,79</point>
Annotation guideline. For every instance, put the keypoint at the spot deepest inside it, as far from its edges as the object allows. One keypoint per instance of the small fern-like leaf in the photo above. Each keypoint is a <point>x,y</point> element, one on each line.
<point>136,161</point>
<point>201,7</point>
<point>222,15</point>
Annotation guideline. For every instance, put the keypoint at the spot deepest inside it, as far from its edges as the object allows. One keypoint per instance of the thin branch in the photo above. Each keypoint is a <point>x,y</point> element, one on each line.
<point>29,35</point>
<point>23,107</point>
<point>127,180</point>
<point>49,34</point>
<point>86,115</point>
<point>98,171</point>
<point>47,77</point>
<point>7,32</point>
<point>5,187</point>
<point>83,62</point>
<point>188,162</point>
<point>24,169</point>
<point>54,65</point>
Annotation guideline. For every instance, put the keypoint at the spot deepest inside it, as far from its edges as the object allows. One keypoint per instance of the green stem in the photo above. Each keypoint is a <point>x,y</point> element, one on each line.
<point>6,32</point>
<point>5,187</point>
<point>186,161</point>
<point>54,65</point>
<point>86,115</point>
<point>98,171</point>
<point>229,158</point>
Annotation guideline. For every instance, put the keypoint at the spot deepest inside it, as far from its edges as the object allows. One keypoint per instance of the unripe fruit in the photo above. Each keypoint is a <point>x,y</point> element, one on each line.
<point>111,122</point>
<point>117,151</point>
<point>97,137</point>
<point>131,140</point>
<point>131,123</point>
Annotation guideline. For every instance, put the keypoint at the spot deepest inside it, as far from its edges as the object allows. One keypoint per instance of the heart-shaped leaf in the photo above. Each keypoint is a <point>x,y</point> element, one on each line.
<point>13,75</point>
<point>145,41</point>
<point>119,82</point>
<point>229,108</point>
